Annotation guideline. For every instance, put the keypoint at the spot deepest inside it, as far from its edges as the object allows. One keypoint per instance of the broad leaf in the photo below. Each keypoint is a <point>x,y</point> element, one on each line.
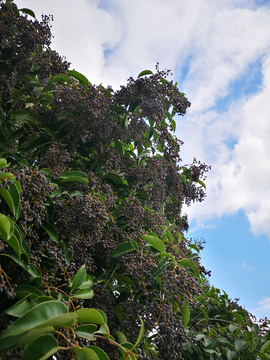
<point>77,279</point>
<point>51,231</point>
<point>189,263</point>
<point>84,294</point>
<point>145,72</point>
<point>12,197</point>
<point>100,353</point>
<point>85,354</point>
<point>90,316</point>
<point>240,345</point>
<point>72,176</point>
<point>86,331</point>
<point>185,313</point>
<point>155,242</point>
<point>124,249</point>
<point>41,348</point>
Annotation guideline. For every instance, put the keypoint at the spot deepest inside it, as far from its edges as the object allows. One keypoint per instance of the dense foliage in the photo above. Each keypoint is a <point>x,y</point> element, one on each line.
<point>94,262</point>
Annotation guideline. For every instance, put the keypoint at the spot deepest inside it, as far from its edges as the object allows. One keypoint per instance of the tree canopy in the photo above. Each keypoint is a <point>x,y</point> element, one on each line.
<point>94,259</point>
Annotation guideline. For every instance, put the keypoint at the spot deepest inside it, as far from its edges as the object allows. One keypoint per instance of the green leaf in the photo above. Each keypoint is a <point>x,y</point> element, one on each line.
<point>114,178</point>
<point>33,334</point>
<point>41,348</point>
<point>24,290</point>
<point>121,337</point>
<point>26,118</point>
<point>145,72</point>
<point>190,264</point>
<point>232,328</point>
<point>36,143</point>
<point>100,353</point>
<point>49,313</point>
<point>127,346</point>
<point>72,176</point>
<point>12,198</point>
<point>51,231</point>
<point>6,227</point>
<point>204,314</point>
<point>3,163</point>
<point>141,334</point>
<point>162,265</point>
<point>86,331</point>
<point>82,79</point>
<point>31,269</point>
<point>155,242</point>
<point>185,313</point>
<point>230,354</point>
<point>240,345</point>
<point>20,308</point>
<point>77,279</point>
<point>88,282</point>
<point>266,346</point>
<point>124,249</point>
<point>90,316</point>
<point>192,246</point>
<point>84,294</point>
<point>85,354</point>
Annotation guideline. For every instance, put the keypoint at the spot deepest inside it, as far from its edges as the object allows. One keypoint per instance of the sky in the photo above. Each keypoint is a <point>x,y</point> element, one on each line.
<point>219,53</point>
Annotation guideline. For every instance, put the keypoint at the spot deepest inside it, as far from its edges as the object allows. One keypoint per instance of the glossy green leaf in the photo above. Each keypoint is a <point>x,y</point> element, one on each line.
<point>51,231</point>
<point>86,331</point>
<point>116,179</point>
<point>6,227</point>
<point>84,294</point>
<point>185,313</point>
<point>141,334</point>
<point>192,246</point>
<point>90,316</point>
<point>31,269</point>
<point>46,311</point>
<point>77,279</point>
<point>103,330</point>
<point>3,163</point>
<point>24,290</point>
<point>127,346</point>
<point>155,242</point>
<point>49,313</point>
<point>12,198</point>
<point>20,308</point>
<point>100,353</point>
<point>121,337</point>
<point>123,249</point>
<point>72,176</point>
<point>162,265</point>
<point>145,72</point>
<point>88,282</point>
<point>190,264</point>
<point>85,354</point>
<point>82,79</point>
<point>41,348</point>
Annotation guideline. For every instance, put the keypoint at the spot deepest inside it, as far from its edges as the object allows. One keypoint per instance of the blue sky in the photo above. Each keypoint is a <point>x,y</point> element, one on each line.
<point>219,52</point>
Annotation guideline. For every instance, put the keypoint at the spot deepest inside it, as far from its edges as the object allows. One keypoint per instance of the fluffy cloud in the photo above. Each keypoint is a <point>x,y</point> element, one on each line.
<point>263,308</point>
<point>210,46</point>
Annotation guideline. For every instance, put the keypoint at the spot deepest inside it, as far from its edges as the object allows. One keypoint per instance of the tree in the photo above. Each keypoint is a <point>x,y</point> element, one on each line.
<point>94,262</point>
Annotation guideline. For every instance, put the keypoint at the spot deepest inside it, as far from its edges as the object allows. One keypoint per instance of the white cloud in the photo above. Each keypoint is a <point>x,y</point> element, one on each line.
<point>220,40</point>
<point>263,306</point>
